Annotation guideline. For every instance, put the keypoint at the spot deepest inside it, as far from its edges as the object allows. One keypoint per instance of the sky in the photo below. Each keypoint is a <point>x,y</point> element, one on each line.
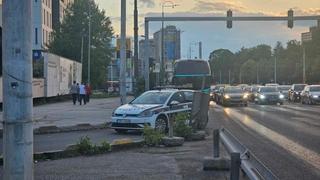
<point>215,35</point>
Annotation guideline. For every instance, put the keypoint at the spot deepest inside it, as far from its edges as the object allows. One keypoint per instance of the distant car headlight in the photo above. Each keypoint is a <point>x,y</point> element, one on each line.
<point>315,96</point>
<point>262,96</point>
<point>146,113</point>
<point>211,94</point>
<point>226,96</point>
<point>281,96</point>
<point>245,96</point>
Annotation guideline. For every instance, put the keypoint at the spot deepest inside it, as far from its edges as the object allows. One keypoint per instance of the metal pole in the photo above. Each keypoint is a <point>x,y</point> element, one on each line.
<point>275,68</point>
<point>89,43</point>
<point>17,90</point>
<point>235,165</point>
<point>220,76</point>
<point>162,48</point>
<point>146,57</point>
<point>135,29</point>
<point>229,76</point>
<point>216,143</point>
<point>123,57</point>
<point>81,58</point>
<point>304,64</point>
<point>200,50</point>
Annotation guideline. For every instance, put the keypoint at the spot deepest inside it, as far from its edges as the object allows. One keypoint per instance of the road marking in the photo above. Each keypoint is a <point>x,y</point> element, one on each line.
<point>301,152</point>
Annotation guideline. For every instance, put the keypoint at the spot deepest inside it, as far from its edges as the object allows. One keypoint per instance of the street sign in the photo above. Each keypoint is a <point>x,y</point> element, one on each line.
<point>36,54</point>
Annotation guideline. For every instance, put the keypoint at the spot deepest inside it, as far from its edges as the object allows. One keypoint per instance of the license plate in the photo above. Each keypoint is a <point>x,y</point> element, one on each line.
<point>123,121</point>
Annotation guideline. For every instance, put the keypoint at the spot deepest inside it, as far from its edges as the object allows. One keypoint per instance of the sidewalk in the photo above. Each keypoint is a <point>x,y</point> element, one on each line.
<point>62,114</point>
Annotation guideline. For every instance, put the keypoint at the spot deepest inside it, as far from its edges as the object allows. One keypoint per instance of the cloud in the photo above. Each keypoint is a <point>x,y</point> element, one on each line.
<point>148,3</point>
<point>219,6</point>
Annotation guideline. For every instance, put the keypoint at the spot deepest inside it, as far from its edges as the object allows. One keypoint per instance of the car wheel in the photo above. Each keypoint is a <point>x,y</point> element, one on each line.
<point>161,124</point>
<point>121,131</point>
<point>310,101</point>
<point>281,103</point>
<point>246,104</point>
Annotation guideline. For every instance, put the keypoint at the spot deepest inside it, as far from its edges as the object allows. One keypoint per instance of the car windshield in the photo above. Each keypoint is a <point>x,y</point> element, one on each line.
<point>315,88</point>
<point>268,89</point>
<point>233,90</point>
<point>299,87</point>
<point>284,88</point>
<point>152,98</point>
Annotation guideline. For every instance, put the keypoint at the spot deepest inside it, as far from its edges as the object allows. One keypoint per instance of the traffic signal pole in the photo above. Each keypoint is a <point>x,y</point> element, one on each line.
<point>123,57</point>
<point>17,90</point>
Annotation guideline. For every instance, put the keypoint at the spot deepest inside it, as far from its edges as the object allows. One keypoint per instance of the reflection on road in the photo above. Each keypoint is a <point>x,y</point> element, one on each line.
<point>299,151</point>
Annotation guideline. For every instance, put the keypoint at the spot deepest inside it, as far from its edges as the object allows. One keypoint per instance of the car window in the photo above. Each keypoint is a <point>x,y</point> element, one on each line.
<point>188,95</point>
<point>315,88</point>
<point>152,98</point>
<point>177,97</point>
<point>299,87</point>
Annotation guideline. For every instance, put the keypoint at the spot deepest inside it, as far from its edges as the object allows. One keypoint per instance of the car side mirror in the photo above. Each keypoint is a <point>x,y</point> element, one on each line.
<point>173,103</point>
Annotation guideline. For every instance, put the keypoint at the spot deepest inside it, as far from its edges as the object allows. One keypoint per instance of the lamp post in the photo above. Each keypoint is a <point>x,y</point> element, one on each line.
<point>164,5</point>
<point>89,43</point>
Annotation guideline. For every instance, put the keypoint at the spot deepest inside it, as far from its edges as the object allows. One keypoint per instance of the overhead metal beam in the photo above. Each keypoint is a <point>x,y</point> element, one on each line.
<point>243,18</point>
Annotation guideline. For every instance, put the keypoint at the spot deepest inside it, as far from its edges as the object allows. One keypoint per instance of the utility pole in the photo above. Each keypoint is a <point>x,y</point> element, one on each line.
<point>89,43</point>
<point>229,76</point>
<point>275,68</point>
<point>220,77</point>
<point>135,29</point>
<point>17,90</point>
<point>162,49</point>
<point>123,58</point>
<point>304,63</point>
<point>81,58</point>
<point>200,50</point>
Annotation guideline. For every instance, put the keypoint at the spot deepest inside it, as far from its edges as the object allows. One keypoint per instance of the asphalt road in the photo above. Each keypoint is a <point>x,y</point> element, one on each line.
<point>286,138</point>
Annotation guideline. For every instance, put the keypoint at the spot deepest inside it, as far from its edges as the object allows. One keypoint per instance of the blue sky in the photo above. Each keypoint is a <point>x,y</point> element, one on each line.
<point>215,35</point>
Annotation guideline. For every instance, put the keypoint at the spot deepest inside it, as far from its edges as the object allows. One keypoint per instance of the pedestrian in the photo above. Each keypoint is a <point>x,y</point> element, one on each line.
<point>88,92</point>
<point>82,94</point>
<point>74,92</point>
<point>78,92</point>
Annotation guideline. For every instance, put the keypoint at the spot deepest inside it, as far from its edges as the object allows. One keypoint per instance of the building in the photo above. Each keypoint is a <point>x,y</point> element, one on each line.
<point>307,36</point>
<point>172,50</point>
<point>142,55</point>
<point>59,10</point>
<point>172,43</point>
<point>42,24</point>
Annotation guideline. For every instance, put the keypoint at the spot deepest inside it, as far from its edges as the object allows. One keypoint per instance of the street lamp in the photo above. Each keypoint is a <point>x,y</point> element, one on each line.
<point>164,5</point>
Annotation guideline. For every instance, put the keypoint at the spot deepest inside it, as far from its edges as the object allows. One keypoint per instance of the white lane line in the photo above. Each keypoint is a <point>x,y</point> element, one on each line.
<point>296,149</point>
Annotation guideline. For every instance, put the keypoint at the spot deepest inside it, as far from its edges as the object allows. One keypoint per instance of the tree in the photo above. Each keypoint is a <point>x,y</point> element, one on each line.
<point>67,38</point>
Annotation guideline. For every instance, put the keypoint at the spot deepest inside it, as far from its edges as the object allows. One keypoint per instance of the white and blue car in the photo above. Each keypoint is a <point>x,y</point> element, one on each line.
<point>152,108</point>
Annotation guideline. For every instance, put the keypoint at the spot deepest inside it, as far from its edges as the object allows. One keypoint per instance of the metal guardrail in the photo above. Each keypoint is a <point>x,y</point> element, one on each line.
<point>241,157</point>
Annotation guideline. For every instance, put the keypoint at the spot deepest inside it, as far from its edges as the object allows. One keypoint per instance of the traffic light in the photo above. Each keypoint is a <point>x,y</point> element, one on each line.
<point>290,18</point>
<point>229,21</point>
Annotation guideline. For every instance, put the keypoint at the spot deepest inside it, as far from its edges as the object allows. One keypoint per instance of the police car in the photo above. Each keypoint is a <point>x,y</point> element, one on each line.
<point>152,108</point>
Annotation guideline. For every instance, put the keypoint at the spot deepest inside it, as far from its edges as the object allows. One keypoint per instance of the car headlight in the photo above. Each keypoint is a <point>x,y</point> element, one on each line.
<point>281,96</point>
<point>315,96</point>
<point>262,96</point>
<point>146,113</point>
<point>226,96</point>
<point>245,96</point>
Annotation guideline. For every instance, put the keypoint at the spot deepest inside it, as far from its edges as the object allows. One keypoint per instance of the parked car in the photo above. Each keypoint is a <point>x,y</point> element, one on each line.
<point>269,95</point>
<point>152,108</point>
<point>295,91</point>
<point>311,94</point>
<point>272,84</point>
<point>284,89</point>
<point>234,96</point>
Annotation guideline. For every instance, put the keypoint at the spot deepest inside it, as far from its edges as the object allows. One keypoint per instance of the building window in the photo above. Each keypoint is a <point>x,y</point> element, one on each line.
<point>44,17</point>
<point>47,18</point>
<point>36,35</point>
<point>42,36</point>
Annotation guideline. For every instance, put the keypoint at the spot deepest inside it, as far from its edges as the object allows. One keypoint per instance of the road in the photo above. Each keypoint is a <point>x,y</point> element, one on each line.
<point>59,141</point>
<point>286,138</point>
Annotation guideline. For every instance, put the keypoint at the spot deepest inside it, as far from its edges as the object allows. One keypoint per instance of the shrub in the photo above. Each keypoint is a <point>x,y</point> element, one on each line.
<point>181,127</point>
<point>85,147</point>
<point>151,136</point>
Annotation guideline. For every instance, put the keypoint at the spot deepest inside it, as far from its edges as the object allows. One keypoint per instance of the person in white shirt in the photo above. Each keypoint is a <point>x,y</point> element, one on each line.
<point>82,94</point>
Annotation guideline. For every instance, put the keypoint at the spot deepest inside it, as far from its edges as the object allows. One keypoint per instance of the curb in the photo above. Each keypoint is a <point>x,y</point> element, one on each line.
<point>118,145</point>
<point>55,129</point>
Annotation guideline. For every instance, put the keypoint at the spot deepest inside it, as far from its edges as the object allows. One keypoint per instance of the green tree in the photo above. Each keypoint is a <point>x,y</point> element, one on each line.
<point>68,36</point>
<point>248,72</point>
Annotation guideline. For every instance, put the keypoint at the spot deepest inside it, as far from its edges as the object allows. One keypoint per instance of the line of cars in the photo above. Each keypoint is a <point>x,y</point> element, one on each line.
<point>225,94</point>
